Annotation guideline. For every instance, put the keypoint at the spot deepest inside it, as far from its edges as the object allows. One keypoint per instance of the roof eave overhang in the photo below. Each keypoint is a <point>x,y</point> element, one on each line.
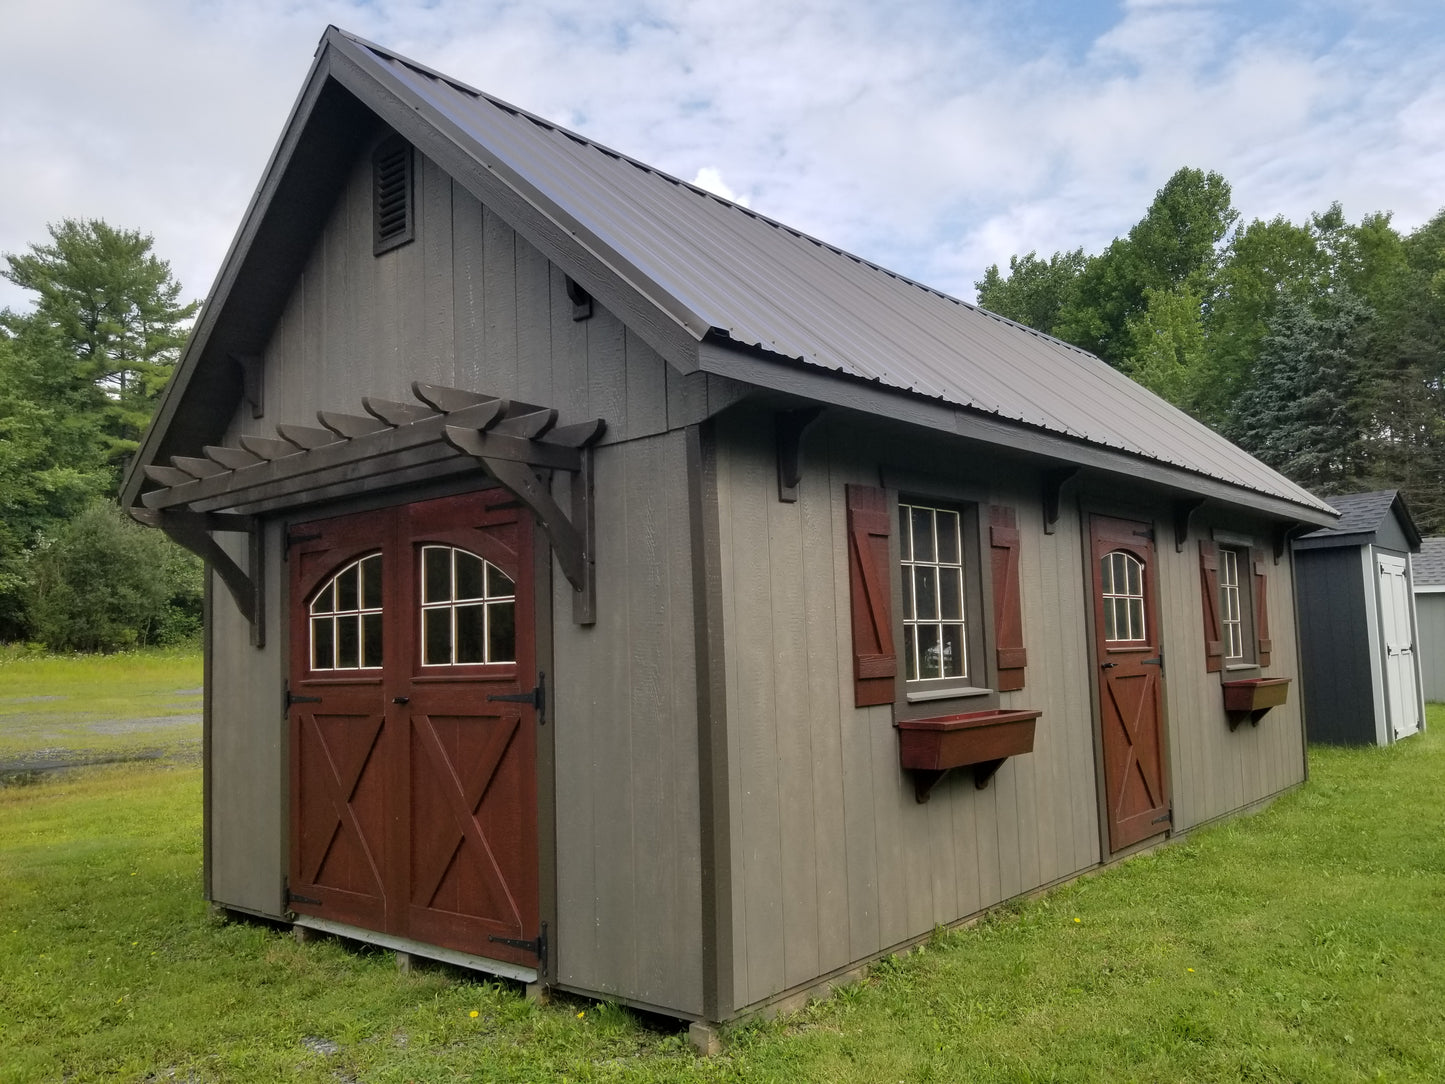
<point>674,332</point>
<point>217,306</point>
<point>823,386</point>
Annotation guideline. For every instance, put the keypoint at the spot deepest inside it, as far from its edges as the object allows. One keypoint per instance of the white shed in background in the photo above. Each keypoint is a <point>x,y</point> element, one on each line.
<point>1429,569</point>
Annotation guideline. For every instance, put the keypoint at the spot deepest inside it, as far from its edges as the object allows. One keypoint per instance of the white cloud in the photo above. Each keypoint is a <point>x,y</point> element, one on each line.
<point>711,180</point>
<point>935,137</point>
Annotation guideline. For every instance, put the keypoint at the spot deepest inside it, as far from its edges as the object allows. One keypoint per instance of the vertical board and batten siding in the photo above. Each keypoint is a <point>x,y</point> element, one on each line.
<point>471,304</point>
<point>628,839</point>
<point>833,859</point>
<point>1430,615</point>
<point>468,304</point>
<point>1214,770</point>
<point>246,777</point>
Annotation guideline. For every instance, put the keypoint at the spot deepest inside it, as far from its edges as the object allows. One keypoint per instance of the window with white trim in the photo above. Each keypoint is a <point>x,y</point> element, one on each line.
<point>1235,606</point>
<point>934,624</point>
<point>468,611</point>
<point>346,631</point>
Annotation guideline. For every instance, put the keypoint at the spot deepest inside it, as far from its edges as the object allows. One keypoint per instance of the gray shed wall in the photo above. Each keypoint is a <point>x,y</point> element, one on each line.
<point>1430,613</point>
<point>1216,770</point>
<point>246,780</point>
<point>468,304</point>
<point>628,849</point>
<point>833,859</point>
<point>1337,666</point>
<point>471,304</point>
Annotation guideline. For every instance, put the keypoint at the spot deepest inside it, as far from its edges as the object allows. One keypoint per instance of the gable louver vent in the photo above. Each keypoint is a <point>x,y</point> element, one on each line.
<point>391,198</point>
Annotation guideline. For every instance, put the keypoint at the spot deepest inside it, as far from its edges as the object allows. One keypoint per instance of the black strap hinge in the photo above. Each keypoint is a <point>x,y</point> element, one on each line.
<point>289,698</point>
<point>537,697</point>
<point>537,946</point>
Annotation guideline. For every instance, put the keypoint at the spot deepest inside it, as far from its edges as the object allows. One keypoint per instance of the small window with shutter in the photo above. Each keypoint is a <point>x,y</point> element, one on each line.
<point>392,201</point>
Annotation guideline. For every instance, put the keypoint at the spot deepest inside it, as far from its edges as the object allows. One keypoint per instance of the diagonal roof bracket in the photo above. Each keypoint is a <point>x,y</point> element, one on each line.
<point>193,531</point>
<point>571,536</point>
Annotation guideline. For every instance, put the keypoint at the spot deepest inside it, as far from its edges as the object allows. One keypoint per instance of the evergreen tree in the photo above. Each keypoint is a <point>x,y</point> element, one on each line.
<point>112,308</point>
<point>1305,414</point>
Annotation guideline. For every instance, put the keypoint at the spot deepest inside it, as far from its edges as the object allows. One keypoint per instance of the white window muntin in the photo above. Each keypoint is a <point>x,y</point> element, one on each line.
<point>1230,615</point>
<point>1121,585</point>
<point>934,626</point>
<point>346,618</point>
<point>468,610</point>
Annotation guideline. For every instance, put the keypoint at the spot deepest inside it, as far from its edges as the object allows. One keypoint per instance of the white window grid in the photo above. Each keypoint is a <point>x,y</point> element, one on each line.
<point>934,625</point>
<point>450,610</point>
<point>1231,620</point>
<point>1121,582</point>
<point>346,618</point>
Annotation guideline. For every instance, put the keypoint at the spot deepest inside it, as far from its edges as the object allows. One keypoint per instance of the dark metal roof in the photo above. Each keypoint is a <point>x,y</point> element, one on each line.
<point>715,272</point>
<point>1429,563</point>
<point>1363,514</point>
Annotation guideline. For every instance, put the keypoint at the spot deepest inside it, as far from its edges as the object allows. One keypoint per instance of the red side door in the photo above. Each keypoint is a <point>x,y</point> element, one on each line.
<point>1127,642</point>
<point>426,734</point>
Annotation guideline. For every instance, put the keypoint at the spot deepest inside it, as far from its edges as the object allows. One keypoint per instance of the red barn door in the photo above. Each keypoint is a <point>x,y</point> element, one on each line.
<point>1126,631</point>
<point>413,732</point>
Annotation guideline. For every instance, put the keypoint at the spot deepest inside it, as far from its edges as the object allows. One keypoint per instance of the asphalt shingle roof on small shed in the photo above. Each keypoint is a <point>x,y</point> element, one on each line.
<point>1429,563</point>
<point>1360,513</point>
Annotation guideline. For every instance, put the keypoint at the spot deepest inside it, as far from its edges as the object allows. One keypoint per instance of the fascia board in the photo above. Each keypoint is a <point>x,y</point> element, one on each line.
<point>797,378</point>
<point>226,277</point>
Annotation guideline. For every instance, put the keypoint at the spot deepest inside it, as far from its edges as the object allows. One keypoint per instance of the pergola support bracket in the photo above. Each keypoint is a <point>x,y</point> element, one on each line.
<point>193,531</point>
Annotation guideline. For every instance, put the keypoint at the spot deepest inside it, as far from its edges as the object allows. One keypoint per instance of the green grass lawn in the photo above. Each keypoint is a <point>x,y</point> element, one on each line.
<point>1306,943</point>
<point>89,706</point>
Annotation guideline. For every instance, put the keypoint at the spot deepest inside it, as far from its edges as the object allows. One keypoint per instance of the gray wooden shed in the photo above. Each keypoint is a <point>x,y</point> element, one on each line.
<point>1428,570</point>
<point>617,589</point>
<point>1357,623</point>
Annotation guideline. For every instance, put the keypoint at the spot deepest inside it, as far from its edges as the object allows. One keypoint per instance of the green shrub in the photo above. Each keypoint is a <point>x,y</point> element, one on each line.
<point>104,583</point>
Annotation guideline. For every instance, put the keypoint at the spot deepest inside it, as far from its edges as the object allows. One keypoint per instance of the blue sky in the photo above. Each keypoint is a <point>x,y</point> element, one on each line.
<point>933,136</point>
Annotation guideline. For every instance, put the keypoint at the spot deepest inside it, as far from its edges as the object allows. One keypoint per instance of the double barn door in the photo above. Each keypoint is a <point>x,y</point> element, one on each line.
<point>413,744</point>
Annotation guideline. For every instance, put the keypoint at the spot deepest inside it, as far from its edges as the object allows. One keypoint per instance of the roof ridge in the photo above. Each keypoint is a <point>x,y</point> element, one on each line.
<point>612,152</point>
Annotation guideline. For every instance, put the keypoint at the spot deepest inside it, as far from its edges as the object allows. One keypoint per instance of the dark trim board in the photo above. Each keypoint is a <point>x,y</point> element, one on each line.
<point>712,744</point>
<point>815,384</point>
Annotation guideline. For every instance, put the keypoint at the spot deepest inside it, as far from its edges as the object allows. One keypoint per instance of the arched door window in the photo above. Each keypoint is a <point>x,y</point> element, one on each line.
<point>346,628</point>
<point>468,611</point>
<point>1121,583</point>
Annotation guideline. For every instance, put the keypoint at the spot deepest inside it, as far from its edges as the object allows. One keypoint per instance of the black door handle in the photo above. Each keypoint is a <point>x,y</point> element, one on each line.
<point>1107,665</point>
<point>401,700</point>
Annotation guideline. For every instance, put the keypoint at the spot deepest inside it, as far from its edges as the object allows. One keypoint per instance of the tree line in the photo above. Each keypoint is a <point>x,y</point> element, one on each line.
<point>1317,346</point>
<point>80,376</point>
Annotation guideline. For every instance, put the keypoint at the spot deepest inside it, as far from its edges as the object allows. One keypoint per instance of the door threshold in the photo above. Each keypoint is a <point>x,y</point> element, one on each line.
<point>419,948</point>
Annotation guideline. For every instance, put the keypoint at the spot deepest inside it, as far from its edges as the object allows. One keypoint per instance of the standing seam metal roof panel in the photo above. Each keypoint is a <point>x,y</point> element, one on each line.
<point>714,265</point>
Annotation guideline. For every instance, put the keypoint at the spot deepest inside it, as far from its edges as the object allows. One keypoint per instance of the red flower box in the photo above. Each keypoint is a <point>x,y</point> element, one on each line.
<point>930,747</point>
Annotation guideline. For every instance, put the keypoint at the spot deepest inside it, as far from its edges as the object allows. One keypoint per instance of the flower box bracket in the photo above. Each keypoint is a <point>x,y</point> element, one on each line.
<point>1251,699</point>
<point>931,748</point>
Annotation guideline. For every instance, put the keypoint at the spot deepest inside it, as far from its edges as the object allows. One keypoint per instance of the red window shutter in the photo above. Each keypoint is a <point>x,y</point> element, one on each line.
<point>1008,623</point>
<point>1263,644</point>
<point>870,579</point>
<point>1209,590</point>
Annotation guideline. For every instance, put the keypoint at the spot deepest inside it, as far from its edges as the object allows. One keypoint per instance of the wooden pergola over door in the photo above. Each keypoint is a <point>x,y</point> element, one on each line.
<point>413,724</point>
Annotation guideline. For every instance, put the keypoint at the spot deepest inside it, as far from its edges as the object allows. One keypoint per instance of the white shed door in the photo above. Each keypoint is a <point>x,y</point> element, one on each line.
<point>1401,694</point>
